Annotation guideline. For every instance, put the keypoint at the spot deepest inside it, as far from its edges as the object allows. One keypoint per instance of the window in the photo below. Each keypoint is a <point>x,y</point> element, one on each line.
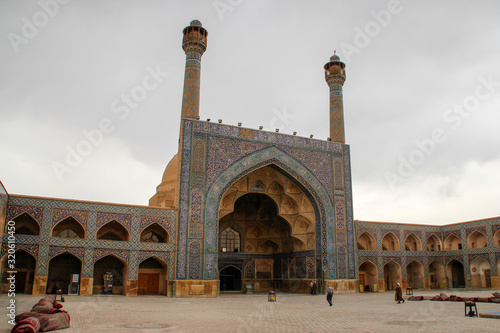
<point>230,240</point>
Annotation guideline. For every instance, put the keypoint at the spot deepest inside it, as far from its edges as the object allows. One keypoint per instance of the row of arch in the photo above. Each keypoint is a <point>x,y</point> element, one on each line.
<point>451,275</point>
<point>413,243</point>
<point>71,228</point>
<point>152,273</point>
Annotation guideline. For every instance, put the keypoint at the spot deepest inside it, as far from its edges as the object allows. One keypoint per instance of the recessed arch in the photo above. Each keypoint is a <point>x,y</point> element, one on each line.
<point>230,278</point>
<point>455,273</point>
<point>437,275</point>
<point>26,225</point>
<point>61,268</point>
<point>390,242</point>
<point>452,243</point>
<point>480,271</point>
<point>496,239</point>
<point>152,276</point>
<point>367,242</point>
<point>477,240</point>
<point>415,273</point>
<point>68,228</point>
<point>286,165</point>
<point>392,275</point>
<point>433,243</point>
<point>113,230</point>
<point>110,268</point>
<point>413,243</point>
<point>155,233</point>
<point>368,276</point>
<point>25,266</point>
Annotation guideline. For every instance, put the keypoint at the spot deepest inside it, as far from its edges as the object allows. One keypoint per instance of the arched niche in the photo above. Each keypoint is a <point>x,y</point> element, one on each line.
<point>26,225</point>
<point>433,243</point>
<point>437,275</point>
<point>413,243</point>
<point>390,242</point>
<point>68,228</point>
<point>118,269</point>
<point>480,273</point>
<point>392,275</point>
<point>25,265</point>
<point>452,243</point>
<point>367,242</point>
<point>415,273</point>
<point>477,240</point>
<point>61,269</point>
<point>154,233</point>
<point>455,273</point>
<point>152,277</point>
<point>368,276</point>
<point>230,279</point>
<point>113,230</point>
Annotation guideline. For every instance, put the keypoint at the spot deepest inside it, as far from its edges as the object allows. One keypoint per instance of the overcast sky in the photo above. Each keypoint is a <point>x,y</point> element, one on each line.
<point>421,99</point>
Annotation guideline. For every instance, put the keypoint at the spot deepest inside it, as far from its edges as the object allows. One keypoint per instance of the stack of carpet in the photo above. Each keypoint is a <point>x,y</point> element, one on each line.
<point>454,298</point>
<point>46,315</point>
<point>496,297</point>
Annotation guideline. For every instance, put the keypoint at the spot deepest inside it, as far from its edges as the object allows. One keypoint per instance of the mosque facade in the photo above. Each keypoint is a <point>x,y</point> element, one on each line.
<point>239,210</point>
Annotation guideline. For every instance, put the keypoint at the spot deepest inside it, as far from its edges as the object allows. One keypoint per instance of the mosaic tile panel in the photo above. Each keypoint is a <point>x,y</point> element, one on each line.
<point>385,260</point>
<point>484,256</point>
<point>340,215</point>
<point>469,231</point>
<point>250,270</point>
<point>79,215</point>
<point>338,174</point>
<point>29,248</point>
<point>195,230</point>
<point>101,253</point>
<point>417,259</point>
<point>78,252</point>
<point>494,229</point>
<point>123,219</point>
<point>194,260</point>
<point>449,259</point>
<point>341,262</point>
<point>351,241</point>
<point>311,268</point>
<point>457,233</point>
<point>164,221</point>
<point>14,211</point>
<point>198,161</point>
<point>196,206</point>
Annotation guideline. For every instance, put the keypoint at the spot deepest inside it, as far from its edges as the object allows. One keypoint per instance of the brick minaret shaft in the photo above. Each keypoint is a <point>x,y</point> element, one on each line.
<point>194,43</point>
<point>335,77</point>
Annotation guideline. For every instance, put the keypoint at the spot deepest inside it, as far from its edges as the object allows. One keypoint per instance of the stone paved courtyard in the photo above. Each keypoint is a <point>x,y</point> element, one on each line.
<point>368,312</point>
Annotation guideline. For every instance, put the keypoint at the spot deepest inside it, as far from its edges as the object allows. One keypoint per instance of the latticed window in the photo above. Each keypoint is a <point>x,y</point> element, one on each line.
<point>230,240</point>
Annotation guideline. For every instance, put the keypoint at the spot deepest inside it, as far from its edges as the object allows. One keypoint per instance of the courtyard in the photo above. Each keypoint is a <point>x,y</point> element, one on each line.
<point>360,312</point>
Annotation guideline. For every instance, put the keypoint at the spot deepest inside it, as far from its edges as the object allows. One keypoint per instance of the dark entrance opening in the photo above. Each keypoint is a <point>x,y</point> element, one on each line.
<point>230,279</point>
<point>457,274</point>
<point>61,269</point>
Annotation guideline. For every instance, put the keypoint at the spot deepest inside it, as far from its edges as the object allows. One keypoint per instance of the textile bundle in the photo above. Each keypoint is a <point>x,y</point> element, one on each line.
<point>46,315</point>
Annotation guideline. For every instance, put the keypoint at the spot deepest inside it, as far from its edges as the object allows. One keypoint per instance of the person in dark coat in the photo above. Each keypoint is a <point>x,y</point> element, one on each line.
<point>329,295</point>
<point>399,294</point>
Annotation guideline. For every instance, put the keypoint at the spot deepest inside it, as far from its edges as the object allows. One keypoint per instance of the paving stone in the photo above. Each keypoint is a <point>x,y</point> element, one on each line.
<point>361,312</point>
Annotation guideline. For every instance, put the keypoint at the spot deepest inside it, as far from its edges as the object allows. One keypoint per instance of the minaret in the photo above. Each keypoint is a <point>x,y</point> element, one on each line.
<point>335,77</point>
<point>194,43</point>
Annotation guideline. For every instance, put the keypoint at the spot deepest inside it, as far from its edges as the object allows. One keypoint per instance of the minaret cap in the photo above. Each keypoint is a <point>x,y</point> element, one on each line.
<point>334,59</point>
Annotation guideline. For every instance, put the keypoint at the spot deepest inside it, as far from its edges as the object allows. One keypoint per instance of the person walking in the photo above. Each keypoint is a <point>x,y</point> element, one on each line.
<point>399,294</point>
<point>311,285</point>
<point>329,295</point>
<point>315,289</point>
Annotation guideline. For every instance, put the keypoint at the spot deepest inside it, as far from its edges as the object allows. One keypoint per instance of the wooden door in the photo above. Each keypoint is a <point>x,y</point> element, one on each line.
<point>149,283</point>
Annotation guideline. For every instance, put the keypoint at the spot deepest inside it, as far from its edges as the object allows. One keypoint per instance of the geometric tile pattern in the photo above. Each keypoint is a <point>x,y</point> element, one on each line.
<point>79,215</point>
<point>123,219</point>
<point>35,212</point>
<point>465,256</point>
<point>91,215</point>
